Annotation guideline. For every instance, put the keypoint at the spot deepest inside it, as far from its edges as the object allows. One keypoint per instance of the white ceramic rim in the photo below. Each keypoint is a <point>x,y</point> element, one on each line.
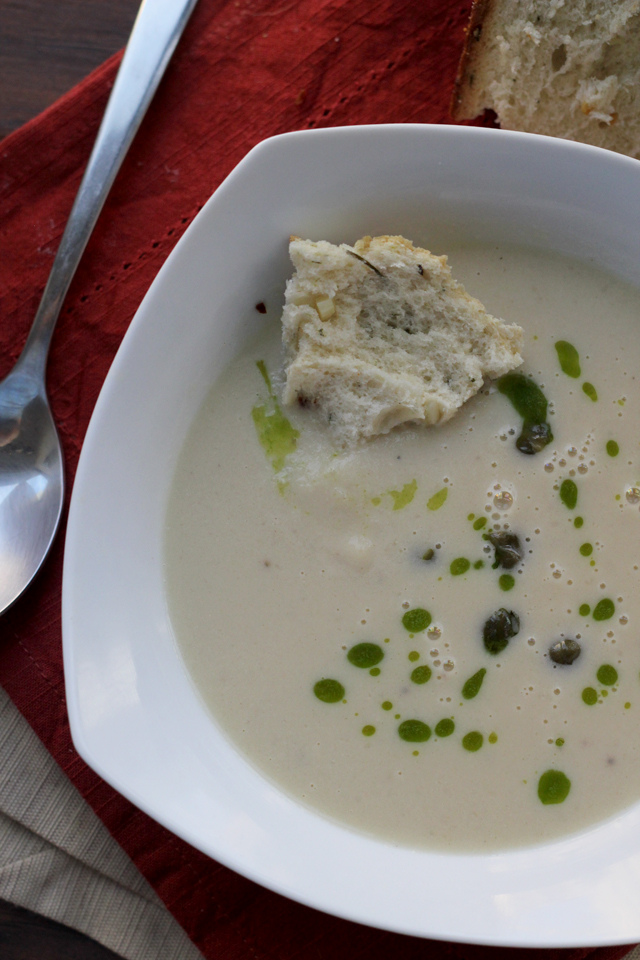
<point>134,716</point>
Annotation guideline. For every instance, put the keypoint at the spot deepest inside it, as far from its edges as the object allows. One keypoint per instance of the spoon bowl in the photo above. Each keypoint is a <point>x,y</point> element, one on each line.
<point>31,481</point>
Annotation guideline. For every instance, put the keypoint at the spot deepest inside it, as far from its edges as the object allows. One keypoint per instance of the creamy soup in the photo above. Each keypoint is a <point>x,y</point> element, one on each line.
<point>358,629</point>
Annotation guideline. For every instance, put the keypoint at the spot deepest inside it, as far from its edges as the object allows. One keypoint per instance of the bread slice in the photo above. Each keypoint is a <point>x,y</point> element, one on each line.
<point>380,333</point>
<point>566,68</point>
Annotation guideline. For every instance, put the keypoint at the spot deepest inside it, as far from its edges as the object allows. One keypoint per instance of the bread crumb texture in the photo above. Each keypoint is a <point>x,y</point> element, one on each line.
<point>565,68</point>
<point>380,334</point>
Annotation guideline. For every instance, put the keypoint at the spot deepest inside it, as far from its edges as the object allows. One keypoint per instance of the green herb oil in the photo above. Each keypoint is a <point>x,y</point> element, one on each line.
<point>569,358</point>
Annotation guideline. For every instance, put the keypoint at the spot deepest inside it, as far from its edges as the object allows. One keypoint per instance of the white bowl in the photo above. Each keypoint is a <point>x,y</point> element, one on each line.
<point>135,717</point>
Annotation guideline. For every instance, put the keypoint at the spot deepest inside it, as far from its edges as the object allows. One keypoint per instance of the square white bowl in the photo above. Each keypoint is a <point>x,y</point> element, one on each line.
<point>135,716</point>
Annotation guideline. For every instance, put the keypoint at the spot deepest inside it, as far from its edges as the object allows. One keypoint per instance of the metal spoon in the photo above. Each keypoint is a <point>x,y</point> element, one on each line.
<point>31,461</point>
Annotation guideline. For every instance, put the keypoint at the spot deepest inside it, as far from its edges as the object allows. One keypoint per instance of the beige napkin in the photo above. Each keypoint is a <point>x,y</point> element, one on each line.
<point>58,859</point>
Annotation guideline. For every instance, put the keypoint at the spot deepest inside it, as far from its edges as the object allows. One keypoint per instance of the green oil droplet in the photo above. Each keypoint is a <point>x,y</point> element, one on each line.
<point>569,358</point>
<point>525,395</point>
<point>387,705</point>
<point>472,741</point>
<point>414,731</point>
<point>493,738</point>
<point>368,730</point>
<point>329,691</point>
<point>478,565</point>
<point>416,620</point>
<point>277,437</point>
<point>627,705</point>
<point>459,566</point>
<point>607,675</point>
<point>438,499</point>
<point>421,674</point>
<point>472,686</point>
<point>444,727</point>
<point>590,696</point>
<point>414,655</point>
<point>365,655</point>
<point>578,522</point>
<point>590,391</point>
<point>612,448</point>
<point>560,742</point>
<point>506,582</point>
<point>553,787</point>
<point>586,549</point>
<point>470,516</point>
<point>402,498</point>
<point>604,609</point>
<point>375,671</point>
<point>569,494</point>
<point>480,523</point>
<point>584,610</point>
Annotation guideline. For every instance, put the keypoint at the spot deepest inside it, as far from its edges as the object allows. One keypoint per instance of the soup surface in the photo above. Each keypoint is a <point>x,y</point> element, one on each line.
<point>342,615</point>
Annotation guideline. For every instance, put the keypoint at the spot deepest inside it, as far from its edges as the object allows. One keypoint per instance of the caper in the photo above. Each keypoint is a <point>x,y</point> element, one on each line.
<point>534,437</point>
<point>507,547</point>
<point>565,651</point>
<point>499,628</point>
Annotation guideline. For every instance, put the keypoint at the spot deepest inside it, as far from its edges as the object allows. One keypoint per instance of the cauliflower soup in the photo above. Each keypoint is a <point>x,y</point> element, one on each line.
<point>431,637</point>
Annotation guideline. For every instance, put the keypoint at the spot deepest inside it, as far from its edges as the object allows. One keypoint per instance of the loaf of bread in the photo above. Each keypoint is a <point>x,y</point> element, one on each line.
<point>380,333</point>
<point>566,69</point>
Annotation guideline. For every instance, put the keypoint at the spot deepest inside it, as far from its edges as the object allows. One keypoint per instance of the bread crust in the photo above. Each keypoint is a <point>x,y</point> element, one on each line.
<point>480,11</point>
<point>568,70</point>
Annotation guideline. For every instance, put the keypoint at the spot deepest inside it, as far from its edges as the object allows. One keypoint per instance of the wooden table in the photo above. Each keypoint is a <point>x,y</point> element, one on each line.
<point>46,47</point>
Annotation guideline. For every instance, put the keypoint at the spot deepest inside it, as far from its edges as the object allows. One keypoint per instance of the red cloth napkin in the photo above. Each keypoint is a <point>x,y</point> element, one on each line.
<point>245,70</point>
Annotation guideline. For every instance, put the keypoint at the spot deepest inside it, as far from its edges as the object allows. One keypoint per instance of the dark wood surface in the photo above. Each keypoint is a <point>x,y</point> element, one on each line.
<point>47,46</point>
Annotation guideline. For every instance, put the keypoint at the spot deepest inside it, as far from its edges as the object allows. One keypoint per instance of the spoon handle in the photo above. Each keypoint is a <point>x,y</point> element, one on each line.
<point>156,31</point>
